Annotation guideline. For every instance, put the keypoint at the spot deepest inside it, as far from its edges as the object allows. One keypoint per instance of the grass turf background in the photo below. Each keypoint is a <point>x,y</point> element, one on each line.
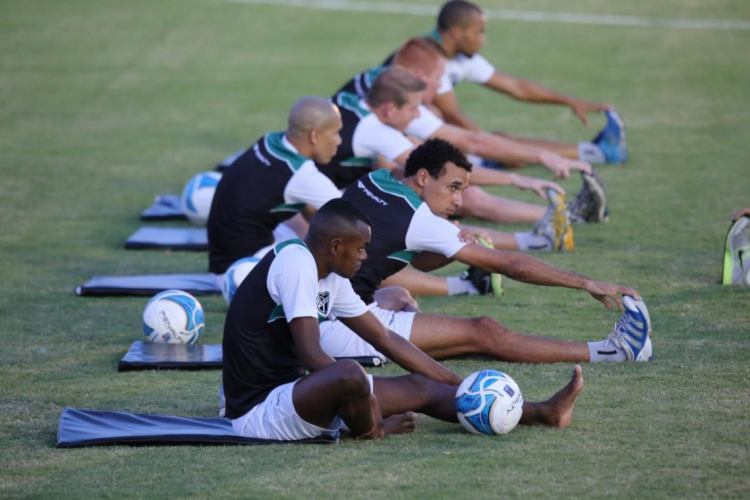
<point>104,104</point>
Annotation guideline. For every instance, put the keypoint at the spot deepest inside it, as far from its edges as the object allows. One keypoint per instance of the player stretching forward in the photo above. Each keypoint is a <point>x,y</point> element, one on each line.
<point>409,226</point>
<point>271,339</point>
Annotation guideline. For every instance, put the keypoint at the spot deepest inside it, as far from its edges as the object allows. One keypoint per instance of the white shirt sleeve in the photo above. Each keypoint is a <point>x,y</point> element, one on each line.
<point>446,85</point>
<point>430,233</point>
<point>372,138</point>
<point>309,186</point>
<point>424,126</point>
<point>478,69</point>
<point>293,282</point>
<point>347,304</point>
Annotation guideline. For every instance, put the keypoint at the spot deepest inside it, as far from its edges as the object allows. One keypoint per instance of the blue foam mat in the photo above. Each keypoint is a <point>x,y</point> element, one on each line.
<point>96,428</point>
<point>193,239</point>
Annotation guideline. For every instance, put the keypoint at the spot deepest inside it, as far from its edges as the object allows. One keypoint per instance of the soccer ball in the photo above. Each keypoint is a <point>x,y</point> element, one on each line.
<point>489,402</point>
<point>197,196</point>
<point>235,275</point>
<point>173,317</point>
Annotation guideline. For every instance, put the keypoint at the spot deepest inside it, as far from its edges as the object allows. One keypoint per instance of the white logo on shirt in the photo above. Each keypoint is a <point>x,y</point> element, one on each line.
<point>262,158</point>
<point>370,194</point>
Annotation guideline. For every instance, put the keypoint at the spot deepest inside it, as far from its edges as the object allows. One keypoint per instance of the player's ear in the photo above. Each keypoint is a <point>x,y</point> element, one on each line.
<point>422,175</point>
<point>335,245</point>
<point>314,136</point>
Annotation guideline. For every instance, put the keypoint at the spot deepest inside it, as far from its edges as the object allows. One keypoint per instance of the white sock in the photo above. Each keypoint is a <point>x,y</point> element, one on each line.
<point>590,153</point>
<point>605,351</point>
<point>531,241</point>
<point>457,286</point>
<point>474,159</point>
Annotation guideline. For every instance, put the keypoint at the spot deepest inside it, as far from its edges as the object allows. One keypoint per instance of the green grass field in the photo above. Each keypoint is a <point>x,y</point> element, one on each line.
<point>104,104</point>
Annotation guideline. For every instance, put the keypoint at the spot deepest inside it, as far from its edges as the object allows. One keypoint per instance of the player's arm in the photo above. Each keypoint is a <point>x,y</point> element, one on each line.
<point>398,349</point>
<point>528,269</point>
<point>481,176</point>
<point>448,106</point>
<point>508,151</point>
<point>429,261</point>
<point>306,335</point>
<point>528,91</point>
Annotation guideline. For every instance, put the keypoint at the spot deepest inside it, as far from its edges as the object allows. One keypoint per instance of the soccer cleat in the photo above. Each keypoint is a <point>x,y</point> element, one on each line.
<point>555,224</point>
<point>611,140</point>
<point>590,204</point>
<point>737,254</point>
<point>632,332</point>
<point>487,283</point>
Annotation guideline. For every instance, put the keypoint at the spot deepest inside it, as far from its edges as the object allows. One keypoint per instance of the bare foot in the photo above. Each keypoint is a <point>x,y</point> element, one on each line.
<point>560,406</point>
<point>557,411</point>
<point>402,423</point>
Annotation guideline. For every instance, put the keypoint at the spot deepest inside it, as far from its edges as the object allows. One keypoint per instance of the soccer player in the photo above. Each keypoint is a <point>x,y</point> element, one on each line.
<point>280,384</point>
<point>409,225</point>
<point>272,181</point>
<point>460,32</point>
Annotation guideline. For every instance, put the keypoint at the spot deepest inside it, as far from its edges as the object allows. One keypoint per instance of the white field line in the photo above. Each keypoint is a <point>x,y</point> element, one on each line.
<point>515,15</point>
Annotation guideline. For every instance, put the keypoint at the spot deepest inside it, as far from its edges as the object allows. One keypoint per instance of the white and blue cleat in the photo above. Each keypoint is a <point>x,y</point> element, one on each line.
<point>632,333</point>
<point>611,140</point>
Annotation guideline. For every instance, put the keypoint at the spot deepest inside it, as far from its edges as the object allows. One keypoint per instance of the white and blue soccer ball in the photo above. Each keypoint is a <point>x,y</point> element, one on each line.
<point>173,317</point>
<point>198,195</point>
<point>235,275</point>
<point>489,402</point>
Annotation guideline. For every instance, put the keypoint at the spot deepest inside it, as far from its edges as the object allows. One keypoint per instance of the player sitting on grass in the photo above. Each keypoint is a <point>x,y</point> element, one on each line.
<point>409,225</point>
<point>280,384</point>
<point>460,33</point>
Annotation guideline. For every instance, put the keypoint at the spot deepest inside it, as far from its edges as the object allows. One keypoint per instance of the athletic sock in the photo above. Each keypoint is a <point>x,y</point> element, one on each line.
<point>474,159</point>
<point>457,286</point>
<point>531,241</point>
<point>590,153</point>
<point>605,351</point>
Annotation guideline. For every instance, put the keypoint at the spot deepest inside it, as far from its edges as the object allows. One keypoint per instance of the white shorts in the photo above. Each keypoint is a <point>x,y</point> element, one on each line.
<point>281,233</point>
<point>276,418</point>
<point>340,342</point>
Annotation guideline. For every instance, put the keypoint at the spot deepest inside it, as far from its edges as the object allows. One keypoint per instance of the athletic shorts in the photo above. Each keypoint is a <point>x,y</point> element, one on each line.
<point>340,342</point>
<point>281,233</point>
<point>276,418</point>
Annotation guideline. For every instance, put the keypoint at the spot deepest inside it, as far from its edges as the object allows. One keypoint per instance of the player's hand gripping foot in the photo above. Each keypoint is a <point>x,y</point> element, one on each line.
<point>557,411</point>
<point>485,282</point>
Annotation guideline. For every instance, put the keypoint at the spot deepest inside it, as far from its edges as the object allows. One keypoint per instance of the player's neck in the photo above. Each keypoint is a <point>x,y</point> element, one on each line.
<point>448,44</point>
<point>319,257</point>
<point>303,147</point>
<point>410,182</point>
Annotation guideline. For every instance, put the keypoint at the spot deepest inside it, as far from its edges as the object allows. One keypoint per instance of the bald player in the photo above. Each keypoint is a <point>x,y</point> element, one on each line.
<point>271,182</point>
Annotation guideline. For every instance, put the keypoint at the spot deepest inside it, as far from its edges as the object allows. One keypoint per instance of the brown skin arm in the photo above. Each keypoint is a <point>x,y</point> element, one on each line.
<point>448,106</point>
<point>306,335</point>
<point>429,261</point>
<point>399,350</point>
<point>527,269</point>
<point>527,91</point>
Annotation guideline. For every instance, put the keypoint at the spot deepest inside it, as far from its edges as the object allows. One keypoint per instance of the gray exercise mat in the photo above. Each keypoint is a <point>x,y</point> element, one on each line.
<point>169,238</point>
<point>148,285</point>
<point>155,356</point>
<point>96,428</point>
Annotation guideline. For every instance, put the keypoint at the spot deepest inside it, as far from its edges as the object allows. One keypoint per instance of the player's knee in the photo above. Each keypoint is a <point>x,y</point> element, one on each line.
<point>352,378</point>
<point>487,329</point>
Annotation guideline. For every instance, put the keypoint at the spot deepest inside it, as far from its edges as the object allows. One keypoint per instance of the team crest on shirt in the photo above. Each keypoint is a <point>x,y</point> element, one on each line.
<point>323,300</point>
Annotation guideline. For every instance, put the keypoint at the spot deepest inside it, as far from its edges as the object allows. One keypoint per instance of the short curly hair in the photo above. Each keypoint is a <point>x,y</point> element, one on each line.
<point>432,156</point>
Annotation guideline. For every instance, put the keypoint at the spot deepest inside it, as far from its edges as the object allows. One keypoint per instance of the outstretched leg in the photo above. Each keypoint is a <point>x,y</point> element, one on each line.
<point>448,336</point>
<point>482,205</point>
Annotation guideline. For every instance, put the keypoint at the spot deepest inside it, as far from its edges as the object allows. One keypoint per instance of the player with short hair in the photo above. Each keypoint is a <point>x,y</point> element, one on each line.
<point>460,33</point>
<point>409,225</point>
<point>281,385</point>
<point>272,181</point>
